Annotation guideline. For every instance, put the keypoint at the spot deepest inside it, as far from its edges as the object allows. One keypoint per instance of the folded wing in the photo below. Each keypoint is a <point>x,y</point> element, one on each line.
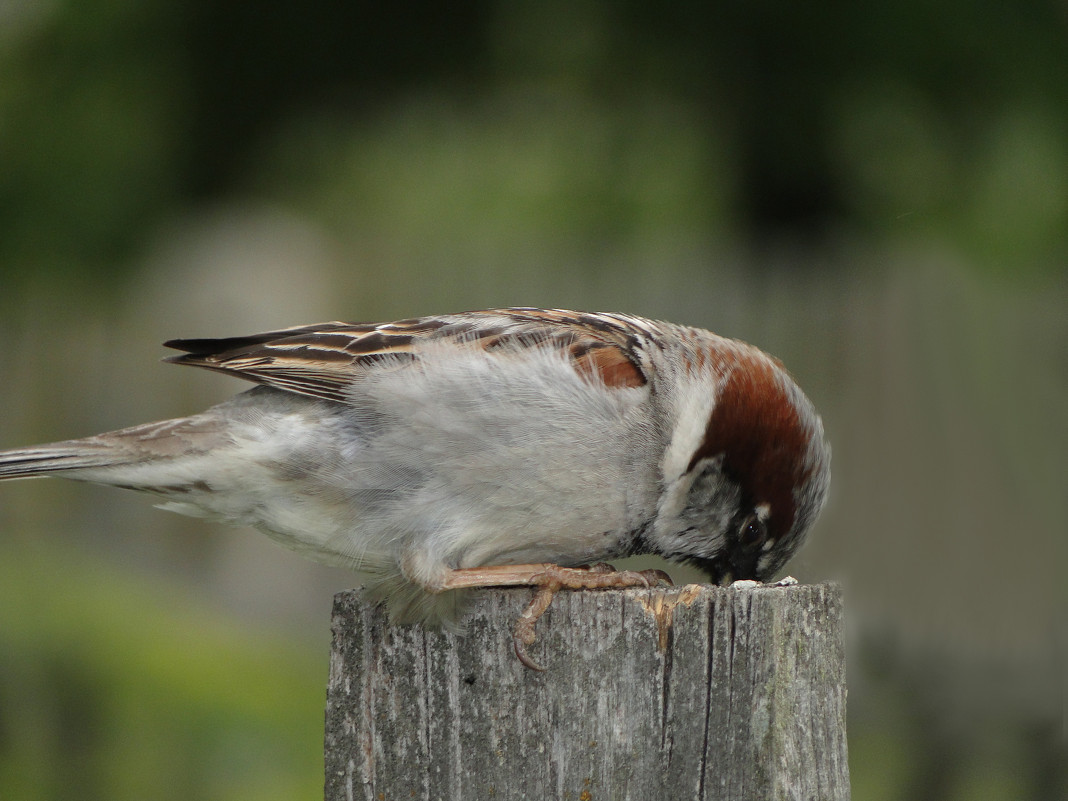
<point>323,360</point>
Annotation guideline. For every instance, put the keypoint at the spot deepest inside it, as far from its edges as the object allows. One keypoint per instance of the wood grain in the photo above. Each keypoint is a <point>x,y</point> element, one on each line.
<point>693,692</point>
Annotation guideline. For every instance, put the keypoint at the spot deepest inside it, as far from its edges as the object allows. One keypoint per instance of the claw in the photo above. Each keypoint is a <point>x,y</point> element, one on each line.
<point>549,579</point>
<point>599,567</point>
<point>554,577</point>
<point>656,577</point>
<point>524,633</point>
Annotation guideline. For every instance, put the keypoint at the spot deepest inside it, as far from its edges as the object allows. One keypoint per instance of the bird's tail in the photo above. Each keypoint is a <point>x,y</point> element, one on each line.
<point>53,458</point>
<point>116,457</point>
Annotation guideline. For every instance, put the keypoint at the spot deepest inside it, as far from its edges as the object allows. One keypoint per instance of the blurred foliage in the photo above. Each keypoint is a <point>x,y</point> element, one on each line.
<point>788,120</point>
<point>878,193</point>
<point>113,688</point>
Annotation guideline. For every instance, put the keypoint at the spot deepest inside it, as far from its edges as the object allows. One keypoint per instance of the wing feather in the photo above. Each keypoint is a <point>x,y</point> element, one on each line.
<point>324,360</point>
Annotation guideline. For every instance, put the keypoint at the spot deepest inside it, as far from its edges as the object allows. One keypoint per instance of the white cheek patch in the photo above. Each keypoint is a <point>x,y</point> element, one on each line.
<point>673,499</point>
<point>763,512</point>
<point>693,415</point>
<point>764,562</point>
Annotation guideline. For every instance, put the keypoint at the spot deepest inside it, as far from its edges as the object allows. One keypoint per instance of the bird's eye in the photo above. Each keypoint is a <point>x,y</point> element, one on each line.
<point>753,532</point>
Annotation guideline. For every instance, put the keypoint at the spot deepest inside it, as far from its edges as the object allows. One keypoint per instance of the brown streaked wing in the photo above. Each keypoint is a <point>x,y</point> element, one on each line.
<point>204,347</point>
<point>322,360</point>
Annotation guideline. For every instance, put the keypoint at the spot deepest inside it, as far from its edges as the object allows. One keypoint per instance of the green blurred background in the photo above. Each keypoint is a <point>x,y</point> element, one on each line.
<point>875,192</point>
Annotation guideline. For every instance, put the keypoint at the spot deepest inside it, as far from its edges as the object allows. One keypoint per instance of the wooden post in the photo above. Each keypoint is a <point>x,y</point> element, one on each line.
<point>692,692</point>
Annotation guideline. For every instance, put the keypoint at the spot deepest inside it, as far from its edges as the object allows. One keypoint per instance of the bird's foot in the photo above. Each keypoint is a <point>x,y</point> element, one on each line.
<point>554,578</point>
<point>549,579</point>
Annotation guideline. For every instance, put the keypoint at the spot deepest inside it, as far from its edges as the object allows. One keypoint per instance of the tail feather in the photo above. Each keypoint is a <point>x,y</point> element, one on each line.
<point>58,457</point>
<point>104,455</point>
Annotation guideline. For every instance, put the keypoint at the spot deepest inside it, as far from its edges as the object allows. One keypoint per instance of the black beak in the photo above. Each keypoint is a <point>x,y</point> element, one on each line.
<point>723,571</point>
<point>718,570</point>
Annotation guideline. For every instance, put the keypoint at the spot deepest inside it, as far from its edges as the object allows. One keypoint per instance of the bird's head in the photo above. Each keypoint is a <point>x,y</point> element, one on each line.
<point>745,480</point>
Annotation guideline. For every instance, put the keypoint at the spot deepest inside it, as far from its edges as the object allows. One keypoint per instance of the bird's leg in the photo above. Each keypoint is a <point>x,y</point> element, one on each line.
<point>549,578</point>
<point>591,577</point>
<point>523,634</point>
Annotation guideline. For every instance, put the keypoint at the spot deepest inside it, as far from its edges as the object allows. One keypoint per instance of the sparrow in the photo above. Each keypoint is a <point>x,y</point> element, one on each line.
<point>507,447</point>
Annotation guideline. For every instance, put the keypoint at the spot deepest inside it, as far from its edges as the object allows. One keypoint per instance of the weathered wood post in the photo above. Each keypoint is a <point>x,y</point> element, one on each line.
<point>693,692</point>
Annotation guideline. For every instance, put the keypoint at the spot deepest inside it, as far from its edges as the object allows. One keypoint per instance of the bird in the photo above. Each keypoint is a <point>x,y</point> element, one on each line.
<point>505,447</point>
